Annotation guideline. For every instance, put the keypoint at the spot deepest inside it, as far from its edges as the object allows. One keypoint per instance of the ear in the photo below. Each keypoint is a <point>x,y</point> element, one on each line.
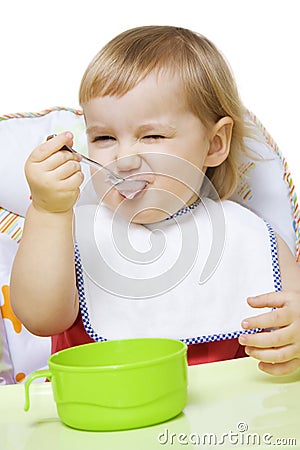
<point>219,142</point>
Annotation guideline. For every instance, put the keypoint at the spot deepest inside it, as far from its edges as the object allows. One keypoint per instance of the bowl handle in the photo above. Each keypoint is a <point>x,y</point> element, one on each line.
<point>29,380</point>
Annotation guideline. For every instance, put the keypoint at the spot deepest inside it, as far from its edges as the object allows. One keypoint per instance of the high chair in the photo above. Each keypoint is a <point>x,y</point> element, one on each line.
<point>265,187</point>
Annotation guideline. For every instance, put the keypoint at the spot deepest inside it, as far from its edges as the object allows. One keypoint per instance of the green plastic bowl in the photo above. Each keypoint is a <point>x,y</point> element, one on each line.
<point>117,385</point>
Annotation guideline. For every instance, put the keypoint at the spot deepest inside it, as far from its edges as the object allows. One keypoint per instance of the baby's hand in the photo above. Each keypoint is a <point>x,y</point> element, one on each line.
<point>54,175</point>
<point>278,350</point>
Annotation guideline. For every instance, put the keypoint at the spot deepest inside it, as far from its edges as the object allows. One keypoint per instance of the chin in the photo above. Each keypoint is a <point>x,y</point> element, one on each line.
<point>149,216</point>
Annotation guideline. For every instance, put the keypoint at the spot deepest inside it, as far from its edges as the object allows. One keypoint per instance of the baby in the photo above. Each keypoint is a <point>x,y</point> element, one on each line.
<point>160,105</point>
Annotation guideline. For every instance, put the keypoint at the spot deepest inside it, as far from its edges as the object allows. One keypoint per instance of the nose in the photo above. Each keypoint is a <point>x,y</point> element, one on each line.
<point>127,161</point>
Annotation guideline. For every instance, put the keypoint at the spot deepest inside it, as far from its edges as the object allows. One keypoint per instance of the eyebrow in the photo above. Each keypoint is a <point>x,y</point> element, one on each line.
<point>95,130</point>
<point>156,125</point>
<point>144,128</point>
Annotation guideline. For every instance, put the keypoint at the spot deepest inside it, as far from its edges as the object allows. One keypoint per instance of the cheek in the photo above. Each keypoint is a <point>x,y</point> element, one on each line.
<point>102,187</point>
<point>173,194</point>
<point>101,156</point>
<point>181,177</point>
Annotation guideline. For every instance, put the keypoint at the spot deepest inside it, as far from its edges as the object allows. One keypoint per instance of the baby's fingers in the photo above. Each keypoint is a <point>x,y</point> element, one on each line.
<point>272,319</point>
<point>269,300</point>
<point>269,339</point>
<point>272,355</point>
<point>281,368</point>
<point>51,146</point>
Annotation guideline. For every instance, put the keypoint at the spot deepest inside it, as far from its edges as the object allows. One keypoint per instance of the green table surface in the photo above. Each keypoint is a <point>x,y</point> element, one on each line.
<point>231,404</point>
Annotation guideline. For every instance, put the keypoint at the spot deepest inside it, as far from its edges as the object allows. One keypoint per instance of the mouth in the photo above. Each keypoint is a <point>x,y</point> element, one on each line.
<point>132,188</point>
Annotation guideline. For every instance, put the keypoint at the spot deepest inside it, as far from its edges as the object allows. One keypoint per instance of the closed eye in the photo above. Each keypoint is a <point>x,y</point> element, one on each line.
<point>153,136</point>
<point>103,138</point>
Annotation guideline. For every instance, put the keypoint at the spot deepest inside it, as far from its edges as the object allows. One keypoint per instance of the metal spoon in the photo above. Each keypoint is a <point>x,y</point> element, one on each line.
<point>131,186</point>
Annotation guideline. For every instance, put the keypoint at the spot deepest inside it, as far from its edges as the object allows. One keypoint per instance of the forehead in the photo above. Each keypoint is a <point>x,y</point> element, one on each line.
<point>159,86</point>
<point>162,91</point>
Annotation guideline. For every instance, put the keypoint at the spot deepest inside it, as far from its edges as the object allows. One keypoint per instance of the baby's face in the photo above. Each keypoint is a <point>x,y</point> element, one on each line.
<point>150,134</point>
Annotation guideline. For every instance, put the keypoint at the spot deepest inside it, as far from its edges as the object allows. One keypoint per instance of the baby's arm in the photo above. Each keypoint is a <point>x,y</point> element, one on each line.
<point>279,350</point>
<point>43,282</point>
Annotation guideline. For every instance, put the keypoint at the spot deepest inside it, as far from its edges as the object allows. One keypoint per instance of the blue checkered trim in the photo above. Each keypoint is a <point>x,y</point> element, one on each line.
<point>82,301</point>
<point>218,337</point>
<point>194,340</point>
<point>275,262</point>
<point>185,210</point>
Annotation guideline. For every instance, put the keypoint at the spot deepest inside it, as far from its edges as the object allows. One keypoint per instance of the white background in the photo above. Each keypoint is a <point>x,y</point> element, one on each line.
<point>46,46</point>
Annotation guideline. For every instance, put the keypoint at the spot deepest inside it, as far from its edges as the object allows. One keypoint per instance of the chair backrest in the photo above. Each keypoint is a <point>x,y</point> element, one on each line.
<point>22,352</point>
<point>266,186</point>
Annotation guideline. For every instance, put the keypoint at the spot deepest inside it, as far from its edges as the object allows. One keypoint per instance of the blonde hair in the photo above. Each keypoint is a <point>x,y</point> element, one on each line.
<point>208,83</point>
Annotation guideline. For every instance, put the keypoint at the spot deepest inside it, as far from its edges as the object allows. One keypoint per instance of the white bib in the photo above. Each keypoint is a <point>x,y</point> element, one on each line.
<point>186,278</point>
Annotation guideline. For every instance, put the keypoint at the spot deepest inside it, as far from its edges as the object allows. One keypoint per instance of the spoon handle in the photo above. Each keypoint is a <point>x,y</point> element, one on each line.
<point>92,163</point>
